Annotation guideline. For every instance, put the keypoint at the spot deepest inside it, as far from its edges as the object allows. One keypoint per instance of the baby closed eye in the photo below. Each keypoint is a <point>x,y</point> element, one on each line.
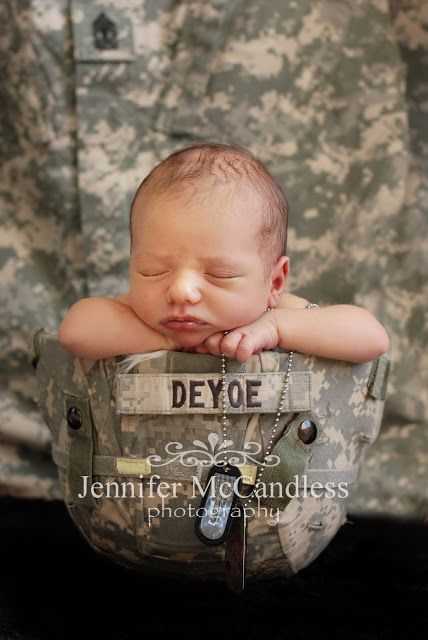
<point>152,275</point>
<point>210,275</point>
<point>222,277</point>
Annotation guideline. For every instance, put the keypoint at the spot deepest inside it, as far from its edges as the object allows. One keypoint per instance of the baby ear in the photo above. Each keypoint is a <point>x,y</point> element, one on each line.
<point>284,265</point>
<point>278,277</point>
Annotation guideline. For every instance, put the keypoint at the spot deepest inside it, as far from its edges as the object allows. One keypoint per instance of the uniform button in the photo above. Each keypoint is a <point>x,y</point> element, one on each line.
<point>74,417</point>
<point>307,431</point>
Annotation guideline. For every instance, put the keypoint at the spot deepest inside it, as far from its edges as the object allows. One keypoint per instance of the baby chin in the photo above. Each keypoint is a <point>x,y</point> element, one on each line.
<point>191,338</point>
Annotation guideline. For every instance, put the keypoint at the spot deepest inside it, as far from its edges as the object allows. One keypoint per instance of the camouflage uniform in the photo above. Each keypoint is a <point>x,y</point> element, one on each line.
<point>96,93</point>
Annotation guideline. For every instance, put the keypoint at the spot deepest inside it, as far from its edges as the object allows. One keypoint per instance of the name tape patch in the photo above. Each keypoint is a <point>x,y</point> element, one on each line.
<point>169,393</point>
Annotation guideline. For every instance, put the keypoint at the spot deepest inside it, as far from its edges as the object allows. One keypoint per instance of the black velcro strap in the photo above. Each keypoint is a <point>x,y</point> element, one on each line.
<point>378,378</point>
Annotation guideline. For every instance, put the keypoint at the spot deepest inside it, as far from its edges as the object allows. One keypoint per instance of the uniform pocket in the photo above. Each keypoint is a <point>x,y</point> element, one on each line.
<point>165,525</point>
<point>306,527</point>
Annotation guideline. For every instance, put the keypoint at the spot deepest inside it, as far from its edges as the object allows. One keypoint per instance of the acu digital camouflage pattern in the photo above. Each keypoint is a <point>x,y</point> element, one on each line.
<point>330,95</point>
<point>344,400</point>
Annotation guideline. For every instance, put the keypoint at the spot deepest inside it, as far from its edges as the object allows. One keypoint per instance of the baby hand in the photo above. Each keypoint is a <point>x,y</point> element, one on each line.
<point>242,342</point>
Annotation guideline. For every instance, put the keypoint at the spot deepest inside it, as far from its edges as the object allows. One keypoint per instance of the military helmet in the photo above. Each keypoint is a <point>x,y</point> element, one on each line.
<point>133,450</point>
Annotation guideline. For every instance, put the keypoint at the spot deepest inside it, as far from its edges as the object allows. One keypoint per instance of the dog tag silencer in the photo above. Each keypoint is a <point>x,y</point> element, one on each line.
<point>214,515</point>
<point>235,550</point>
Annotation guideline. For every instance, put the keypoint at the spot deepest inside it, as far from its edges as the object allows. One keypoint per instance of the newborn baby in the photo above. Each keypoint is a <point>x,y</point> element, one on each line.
<point>208,241</point>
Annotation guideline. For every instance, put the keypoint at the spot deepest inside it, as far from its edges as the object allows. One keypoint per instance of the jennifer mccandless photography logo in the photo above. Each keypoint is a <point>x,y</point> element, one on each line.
<point>151,488</point>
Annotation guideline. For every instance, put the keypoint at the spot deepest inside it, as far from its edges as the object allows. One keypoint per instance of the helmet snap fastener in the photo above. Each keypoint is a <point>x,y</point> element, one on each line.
<point>74,418</point>
<point>307,431</point>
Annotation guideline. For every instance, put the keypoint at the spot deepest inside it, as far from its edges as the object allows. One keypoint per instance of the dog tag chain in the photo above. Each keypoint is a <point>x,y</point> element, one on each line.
<point>224,518</point>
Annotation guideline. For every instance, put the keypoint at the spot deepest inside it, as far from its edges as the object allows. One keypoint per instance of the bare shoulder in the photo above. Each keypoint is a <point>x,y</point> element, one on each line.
<point>123,298</point>
<point>291,301</point>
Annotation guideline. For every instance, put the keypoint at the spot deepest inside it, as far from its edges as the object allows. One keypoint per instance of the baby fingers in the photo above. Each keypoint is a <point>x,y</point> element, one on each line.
<point>201,348</point>
<point>213,344</point>
<point>246,347</point>
<point>230,344</point>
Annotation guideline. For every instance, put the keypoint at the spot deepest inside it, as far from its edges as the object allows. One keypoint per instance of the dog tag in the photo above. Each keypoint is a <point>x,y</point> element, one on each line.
<point>213,518</point>
<point>235,551</point>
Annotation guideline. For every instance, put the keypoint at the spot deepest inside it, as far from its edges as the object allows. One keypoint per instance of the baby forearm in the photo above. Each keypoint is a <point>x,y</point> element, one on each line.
<point>342,332</point>
<point>101,327</point>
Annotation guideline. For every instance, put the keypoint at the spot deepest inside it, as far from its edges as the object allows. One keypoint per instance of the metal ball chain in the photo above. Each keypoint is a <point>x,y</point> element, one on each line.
<point>278,415</point>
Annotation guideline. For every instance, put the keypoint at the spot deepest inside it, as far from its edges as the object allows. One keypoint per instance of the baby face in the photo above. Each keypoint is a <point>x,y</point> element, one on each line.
<point>200,260</point>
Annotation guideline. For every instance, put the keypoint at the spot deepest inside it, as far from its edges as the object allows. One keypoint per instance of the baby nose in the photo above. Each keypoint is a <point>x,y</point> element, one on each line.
<point>184,288</point>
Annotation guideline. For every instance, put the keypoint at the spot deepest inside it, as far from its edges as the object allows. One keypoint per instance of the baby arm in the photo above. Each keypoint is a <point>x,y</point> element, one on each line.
<point>340,332</point>
<point>100,327</point>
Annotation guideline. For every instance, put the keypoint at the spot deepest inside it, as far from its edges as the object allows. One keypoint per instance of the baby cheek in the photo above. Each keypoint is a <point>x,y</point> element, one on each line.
<point>145,305</point>
<point>241,314</point>
<point>136,300</point>
<point>252,307</point>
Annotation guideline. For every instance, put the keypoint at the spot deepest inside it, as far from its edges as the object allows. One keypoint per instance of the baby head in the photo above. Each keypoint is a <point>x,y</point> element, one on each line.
<point>208,237</point>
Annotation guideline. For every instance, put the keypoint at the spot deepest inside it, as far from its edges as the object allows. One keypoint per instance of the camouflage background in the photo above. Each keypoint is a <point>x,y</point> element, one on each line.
<point>330,94</point>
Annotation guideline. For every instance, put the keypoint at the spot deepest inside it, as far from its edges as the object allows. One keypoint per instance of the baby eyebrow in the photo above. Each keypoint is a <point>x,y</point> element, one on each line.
<point>217,261</point>
<point>223,262</point>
